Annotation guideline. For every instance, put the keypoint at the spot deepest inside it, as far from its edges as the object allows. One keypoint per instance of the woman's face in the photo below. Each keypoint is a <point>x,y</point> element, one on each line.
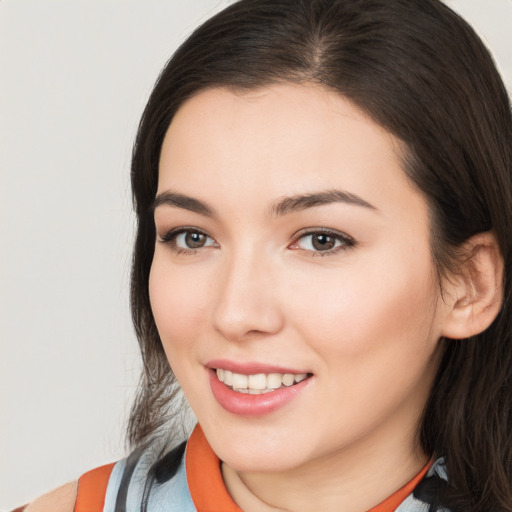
<point>293,255</point>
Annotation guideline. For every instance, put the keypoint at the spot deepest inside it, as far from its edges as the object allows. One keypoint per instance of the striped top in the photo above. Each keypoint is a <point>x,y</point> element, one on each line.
<point>189,479</point>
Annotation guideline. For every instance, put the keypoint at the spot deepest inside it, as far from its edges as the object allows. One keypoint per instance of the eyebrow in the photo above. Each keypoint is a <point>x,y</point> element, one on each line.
<point>177,200</point>
<point>304,201</point>
<point>282,207</point>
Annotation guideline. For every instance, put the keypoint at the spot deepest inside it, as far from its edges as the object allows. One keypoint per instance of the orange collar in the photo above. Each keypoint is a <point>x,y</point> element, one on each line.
<point>204,476</point>
<point>391,504</point>
<point>209,493</point>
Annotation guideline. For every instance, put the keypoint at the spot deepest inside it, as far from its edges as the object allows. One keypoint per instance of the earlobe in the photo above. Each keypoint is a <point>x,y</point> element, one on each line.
<point>476,294</point>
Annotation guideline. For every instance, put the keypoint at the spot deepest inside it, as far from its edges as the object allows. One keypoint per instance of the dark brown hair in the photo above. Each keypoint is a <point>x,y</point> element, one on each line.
<point>421,72</point>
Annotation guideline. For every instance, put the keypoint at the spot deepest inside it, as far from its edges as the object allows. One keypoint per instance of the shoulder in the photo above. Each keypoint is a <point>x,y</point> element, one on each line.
<point>86,494</point>
<point>60,500</point>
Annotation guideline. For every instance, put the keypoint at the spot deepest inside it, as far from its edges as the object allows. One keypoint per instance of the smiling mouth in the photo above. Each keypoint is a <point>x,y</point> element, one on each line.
<point>259,383</point>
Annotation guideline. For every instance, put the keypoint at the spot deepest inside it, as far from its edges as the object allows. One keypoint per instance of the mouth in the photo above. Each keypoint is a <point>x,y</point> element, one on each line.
<point>258,383</point>
<point>254,389</point>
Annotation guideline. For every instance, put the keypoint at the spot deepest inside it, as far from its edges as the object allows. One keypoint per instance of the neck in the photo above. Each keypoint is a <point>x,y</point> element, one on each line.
<point>353,480</point>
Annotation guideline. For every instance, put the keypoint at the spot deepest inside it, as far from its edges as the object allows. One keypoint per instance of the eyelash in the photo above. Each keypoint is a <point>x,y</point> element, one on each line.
<point>346,242</point>
<point>170,237</point>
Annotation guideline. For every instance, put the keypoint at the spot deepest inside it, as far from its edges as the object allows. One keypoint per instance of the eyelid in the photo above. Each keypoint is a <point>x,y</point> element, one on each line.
<point>347,241</point>
<point>169,237</point>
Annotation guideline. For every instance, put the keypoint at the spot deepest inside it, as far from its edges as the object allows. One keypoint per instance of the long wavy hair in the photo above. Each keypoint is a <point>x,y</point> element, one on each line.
<point>420,71</point>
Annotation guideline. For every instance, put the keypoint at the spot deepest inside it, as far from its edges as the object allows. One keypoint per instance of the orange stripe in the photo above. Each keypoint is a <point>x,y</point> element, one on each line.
<point>204,477</point>
<point>392,503</point>
<point>92,487</point>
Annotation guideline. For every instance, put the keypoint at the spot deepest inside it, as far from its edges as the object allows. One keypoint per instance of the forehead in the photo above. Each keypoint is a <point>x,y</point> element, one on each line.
<point>289,110</point>
<point>279,140</point>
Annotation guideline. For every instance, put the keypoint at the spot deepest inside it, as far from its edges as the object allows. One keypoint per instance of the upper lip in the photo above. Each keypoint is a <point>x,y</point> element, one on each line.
<point>250,368</point>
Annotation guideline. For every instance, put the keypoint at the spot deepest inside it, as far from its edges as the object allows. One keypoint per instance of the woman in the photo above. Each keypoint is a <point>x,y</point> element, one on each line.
<point>324,202</point>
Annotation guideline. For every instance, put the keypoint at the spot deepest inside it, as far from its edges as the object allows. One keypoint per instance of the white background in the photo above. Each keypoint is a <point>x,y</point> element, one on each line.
<point>74,77</point>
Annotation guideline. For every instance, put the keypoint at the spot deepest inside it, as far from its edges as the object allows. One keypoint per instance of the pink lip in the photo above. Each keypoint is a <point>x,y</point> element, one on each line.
<point>250,368</point>
<point>243,404</point>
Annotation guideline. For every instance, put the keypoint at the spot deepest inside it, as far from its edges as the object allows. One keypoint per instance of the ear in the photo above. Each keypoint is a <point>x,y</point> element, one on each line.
<point>475,294</point>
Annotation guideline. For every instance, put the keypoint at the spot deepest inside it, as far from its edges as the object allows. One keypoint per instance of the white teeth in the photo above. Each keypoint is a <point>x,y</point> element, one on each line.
<point>259,382</point>
<point>240,381</point>
<point>228,378</point>
<point>274,380</point>
<point>253,391</point>
<point>288,379</point>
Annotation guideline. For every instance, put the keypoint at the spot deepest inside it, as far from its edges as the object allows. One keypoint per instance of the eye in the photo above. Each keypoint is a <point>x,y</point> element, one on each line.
<point>184,240</point>
<point>191,240</point>
<point>323,242</point>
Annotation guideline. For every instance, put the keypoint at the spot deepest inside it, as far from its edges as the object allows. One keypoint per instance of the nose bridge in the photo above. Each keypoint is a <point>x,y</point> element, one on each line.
<point>246,299</point>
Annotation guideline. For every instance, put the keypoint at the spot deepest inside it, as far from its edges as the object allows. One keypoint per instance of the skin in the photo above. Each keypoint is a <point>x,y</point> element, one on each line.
<point>364,318</point>
<point>59,500</point>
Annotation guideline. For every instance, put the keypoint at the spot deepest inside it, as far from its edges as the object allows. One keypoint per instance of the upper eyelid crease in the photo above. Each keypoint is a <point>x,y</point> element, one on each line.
<point>282,207</point>
<point>343,237</point>
<point>179,230</point>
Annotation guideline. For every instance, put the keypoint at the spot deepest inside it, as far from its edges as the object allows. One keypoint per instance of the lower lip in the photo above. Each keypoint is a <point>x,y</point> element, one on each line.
<point>244,404</point>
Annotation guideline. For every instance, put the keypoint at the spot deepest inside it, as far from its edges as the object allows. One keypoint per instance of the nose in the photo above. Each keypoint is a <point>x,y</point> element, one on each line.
<point>247,303</point>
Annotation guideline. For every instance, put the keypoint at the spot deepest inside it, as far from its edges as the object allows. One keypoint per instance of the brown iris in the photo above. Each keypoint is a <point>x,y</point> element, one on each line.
<point>195,240</point>
<point>322,242</point>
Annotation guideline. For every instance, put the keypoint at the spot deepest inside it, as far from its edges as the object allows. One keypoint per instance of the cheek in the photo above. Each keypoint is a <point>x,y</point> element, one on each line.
<point>179,303</point>
<point>374,335</point>
<point>368,307</point>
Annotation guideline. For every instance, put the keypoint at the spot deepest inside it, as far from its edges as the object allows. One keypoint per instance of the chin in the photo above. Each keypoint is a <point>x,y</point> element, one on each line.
<point>262,462</point>
<point>259,453</point>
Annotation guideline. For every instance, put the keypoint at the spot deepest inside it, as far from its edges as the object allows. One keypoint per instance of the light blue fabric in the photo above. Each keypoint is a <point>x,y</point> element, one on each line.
<point>174,495</point>
<point>411,504</point>
<point>113,485</point>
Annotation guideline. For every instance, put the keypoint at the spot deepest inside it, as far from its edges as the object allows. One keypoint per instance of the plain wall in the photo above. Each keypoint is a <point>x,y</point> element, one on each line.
<point>74,77</point>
